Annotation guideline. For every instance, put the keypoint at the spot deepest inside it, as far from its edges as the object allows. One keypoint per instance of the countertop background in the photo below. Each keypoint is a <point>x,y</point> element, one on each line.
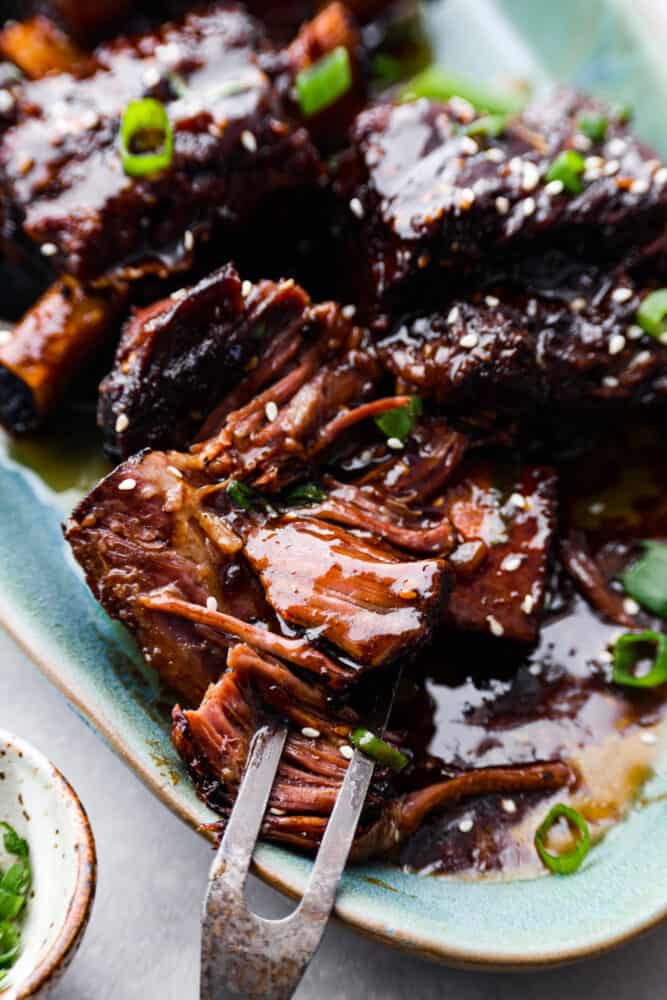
<point>143,939</point>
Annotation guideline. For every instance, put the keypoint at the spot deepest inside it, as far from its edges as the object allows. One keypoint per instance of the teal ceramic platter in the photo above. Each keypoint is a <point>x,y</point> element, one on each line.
<point>610,47</point>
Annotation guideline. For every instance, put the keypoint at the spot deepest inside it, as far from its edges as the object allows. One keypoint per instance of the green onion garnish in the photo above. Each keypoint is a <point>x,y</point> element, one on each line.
<point>323,83</point>
<point>243,496</point>
<point>491,125</point>
<point>146,138</point>
<point>398,423</point>
<point>438,84</point>
<point>652,313</point>
<point>646,579</point>
<point>568,168</point>
<point>624,113</point>
<point>593,126</point>
<point>305,493</point>
<point>14,886</point>
<point>635,648</point>
<point>569,861</point>
<point>373,746</point>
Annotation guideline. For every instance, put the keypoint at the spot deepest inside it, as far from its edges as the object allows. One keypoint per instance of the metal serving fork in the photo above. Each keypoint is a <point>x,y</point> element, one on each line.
<point>244,954</point>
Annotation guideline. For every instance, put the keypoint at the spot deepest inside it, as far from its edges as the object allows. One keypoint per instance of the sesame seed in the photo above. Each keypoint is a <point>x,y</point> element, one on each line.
<point>511,562</point>
<point>468,146</point>
<point>531,176</point>
<point>518,500</point>
<point>174,471</point>
<point>528,206</point>
<point>553,188</point>
<point>346,751</point>
<point>249,141</point>
<point>179,294</point>
<point>276,812</point>
<point>508,805</point>
<point>616,343</point>
<point>648,738</point>
<point>502,205</point>
<point>616,147</point>
<point>535,669</point>
<point>466,825</point>
<point>151,77</point>
<point>453,315</point>
<point>630,606</point>
<point>663,338</point>
<point>592,174</point>
<point>357,208</point>
<point>492,301</point>
<point>576,305</point>
<point>246,288</point>
<point>621,294</point>
<point>6,101</point>
<point>5,337</point>
<point>127,484</point>
<point>610,382</point>
<point>462,109</point>
<point>634,332</point>
<point>660,177</point>
<point>593,162</point>
<point>528,604</point>
<point>211,604</point>
<point>188,240</point>
<point>611,167</point>
<point>395,443</point>
<point>466,198</point>
<point>596,507</point>
<point>48,249</point>
<point>495,154</point>
<point>122,423</point>
<point>494,626</point>
<point>469,340</point>
<point>271,411</point>
<point>605,656</point>
<point>349,312</point>
<point>640,186</point>
<point>642,358</point>
<point>581,142</point>
<point>310,733</point>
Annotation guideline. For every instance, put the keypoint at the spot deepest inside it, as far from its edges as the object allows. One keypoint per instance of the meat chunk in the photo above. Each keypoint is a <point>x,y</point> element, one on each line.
<point>180,356</point>
<point>427,199</point>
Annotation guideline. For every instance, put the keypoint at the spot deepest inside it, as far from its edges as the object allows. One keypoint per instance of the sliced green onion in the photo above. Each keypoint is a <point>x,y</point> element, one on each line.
<point>305,493</point>
<point>10,944</point>
<point>13,843</point>
<point>10,904</point>
<point>379,750</point>
<point>593,126</point>
<point>624,113</point>
<point>322,84</point>
<point>568,168</point>
<point>399,422</point>
<point>652,313</point>
<point>646,579</point>
<point>436,83</point>
<point>16,879</point>
<point>491,125</point>
<point>387,69</point>
<point>243,495</point>
<point>634,648</point>
<point>569,861</point>
<point>146,138</point>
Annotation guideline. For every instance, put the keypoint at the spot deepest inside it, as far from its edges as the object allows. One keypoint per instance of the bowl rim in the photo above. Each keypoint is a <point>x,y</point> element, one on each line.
<point>56,959</point>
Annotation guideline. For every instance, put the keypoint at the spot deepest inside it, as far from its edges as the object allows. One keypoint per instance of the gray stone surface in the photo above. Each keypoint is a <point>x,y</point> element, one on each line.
<point>142,942</point>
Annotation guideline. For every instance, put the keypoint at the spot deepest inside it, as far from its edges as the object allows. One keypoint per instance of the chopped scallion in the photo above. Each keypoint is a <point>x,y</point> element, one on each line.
<point>646,579</point>
<point>321,84</point>
<point>146,138</point>
<point>652,313</point>
<point>14,886</point>
<point>490,125</point>
<point>305,493</point>
<point>242,495</point>
<point>569,861</point>
<point>593,126</point>
<point>440,85</point>
<point>568,168</point>
<point>379,750</point>
<point>634,649</point>
<point>399,422</point>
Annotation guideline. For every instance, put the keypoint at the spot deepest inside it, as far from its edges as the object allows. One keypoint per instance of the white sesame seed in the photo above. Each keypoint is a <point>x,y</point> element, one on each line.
<point>310,733</point>
<point>621,294</point>
<point>663,338</point>
<point>249,141</point>
<point>466,825</point>
<point>127,484</point>
<point>357,208</point>
<point>151,77</point>
<point>528,604</point>
<point>630,606</point>
<point>179,294</point>
<point>660,177</point>
<point>175,472</point>
<point>6,101</point>
<point>271,411</point>
<point>581,142</point>
<point>453,315</point>
<point>469,341</point>
<point>495,154</point>
<point>535,669</point>
<point>502,205</point>
<point>492,301</point>
<point>277,812</point>
<point>466,198</point>
<point>346,751</point>
<point>640,186</point>
<point>642,358</point>
<point>349,312</point>
<point>605,656</point>
<point>468,146</point>
<point>648,738</point>
<point>594,162</point>
<point>554,188</point>
<point>616,147</point>
<point>611,167</point>
<point>592,174</point>
<point>511,562</point>
<point>518,500</point>
<point>531,176</point>
<point>634,332</point>
<point>395,443</point>
<point>528,206</point>
<point>495,626</point>
<point>610,382</point>
<point>122,423</point>
<point>188,240</point>
<point>211,604</point>
<point>596,507</point>
<point>48,249</point>
<point>616,343</point>
<point>576,305</point>
<point>5,337</point>
<point>246,288</point>
<point>462,109</point>
<point>508,805</point>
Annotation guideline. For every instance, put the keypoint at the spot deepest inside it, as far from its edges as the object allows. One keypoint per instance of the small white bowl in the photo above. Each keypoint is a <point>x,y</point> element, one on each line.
<point>42,807</point>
